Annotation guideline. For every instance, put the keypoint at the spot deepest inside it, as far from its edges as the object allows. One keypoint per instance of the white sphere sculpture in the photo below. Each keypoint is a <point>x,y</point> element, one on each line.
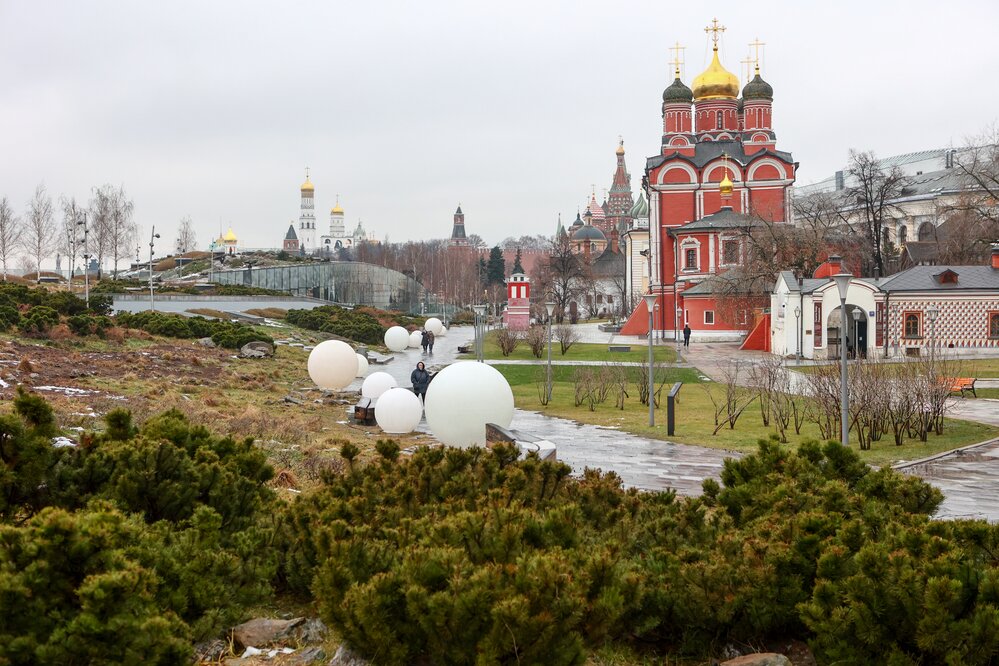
<point>443,332</point>
<point>376,384</point>
<point>398,411</point>
<point>362,366</point>
<point>463,398</point>
<point>434,325</point>
<point>397,338</point>
<point>332,364</point>
<point>415,338</point>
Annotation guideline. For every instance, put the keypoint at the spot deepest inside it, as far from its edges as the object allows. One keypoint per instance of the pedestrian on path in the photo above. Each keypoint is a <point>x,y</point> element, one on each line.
<point>424,341</point>
<point>430,341</point>
<point>686,335</point>
<point>421,380</point>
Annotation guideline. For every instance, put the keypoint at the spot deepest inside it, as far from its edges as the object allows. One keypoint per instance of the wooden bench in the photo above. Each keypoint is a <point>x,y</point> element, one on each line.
<point>364,412</point>
<point>619,348</point>
<point>963,384</point>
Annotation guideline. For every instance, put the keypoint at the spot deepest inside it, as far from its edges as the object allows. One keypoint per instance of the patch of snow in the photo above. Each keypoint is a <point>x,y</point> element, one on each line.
<point>4,384</point>
<point>62,443</point>
<point>66,390</point>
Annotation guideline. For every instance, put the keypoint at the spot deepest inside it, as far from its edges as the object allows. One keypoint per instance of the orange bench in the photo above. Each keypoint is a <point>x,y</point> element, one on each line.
<point>963,384</point>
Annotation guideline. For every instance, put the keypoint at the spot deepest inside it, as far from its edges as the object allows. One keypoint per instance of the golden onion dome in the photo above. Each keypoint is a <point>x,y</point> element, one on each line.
<point>620,149</point>
<point>307,186</point>
<point>716,82</point>
<point>725,186</point>
<point>336,209</point>
<point>231,237</point>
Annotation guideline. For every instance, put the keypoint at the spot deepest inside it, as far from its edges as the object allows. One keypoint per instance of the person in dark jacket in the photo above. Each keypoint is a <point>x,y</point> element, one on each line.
<point>430,341</point>
<point>424,341</point>
<point>420,379</point>
<point>686,335</point>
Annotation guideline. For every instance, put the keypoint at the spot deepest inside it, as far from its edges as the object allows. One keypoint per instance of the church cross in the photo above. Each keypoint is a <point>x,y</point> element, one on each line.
<point>677,60</point>
<point>757,45</point>
<point>714,29</point>
<point>746,62</point>
<point>306,173</point>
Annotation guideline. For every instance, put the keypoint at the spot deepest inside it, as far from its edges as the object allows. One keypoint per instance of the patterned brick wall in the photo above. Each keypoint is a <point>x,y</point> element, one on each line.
<point>962,322</point>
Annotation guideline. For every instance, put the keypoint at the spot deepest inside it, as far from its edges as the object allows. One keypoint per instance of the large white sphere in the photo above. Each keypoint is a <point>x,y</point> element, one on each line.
<point>398,411</point>
<point>362,366</point>
<point>415,338</point>
<point>377,383</point>
<point>397,338</point>
<point>332,364</point>
<point>443,332</point>
<point>463,398</point>
<point>434,325</point>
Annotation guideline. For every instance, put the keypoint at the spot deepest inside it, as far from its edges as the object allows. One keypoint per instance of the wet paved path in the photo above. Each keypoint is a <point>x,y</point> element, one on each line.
<point>969,480</point>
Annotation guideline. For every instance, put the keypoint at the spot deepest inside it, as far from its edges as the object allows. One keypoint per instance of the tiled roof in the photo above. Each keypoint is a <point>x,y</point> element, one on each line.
<point>608,265</point>
<point>291,235</point>
<point>726,218</point>
<point>728,282</point>
<point>706,151</point>
<point>923,278</point>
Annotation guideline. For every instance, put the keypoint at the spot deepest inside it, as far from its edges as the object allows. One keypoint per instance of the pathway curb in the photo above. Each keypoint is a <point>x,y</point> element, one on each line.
<point>943,454</point>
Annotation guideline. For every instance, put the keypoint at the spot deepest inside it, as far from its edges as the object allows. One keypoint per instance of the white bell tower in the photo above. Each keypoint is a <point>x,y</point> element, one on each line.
<point>307,217</point>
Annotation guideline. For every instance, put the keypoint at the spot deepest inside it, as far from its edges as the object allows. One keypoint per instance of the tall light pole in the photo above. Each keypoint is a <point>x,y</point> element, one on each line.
<point>931,316</point>
<point>842,281</point>
<point>856,334</point>
<point>86,259</point>
<point>797,338</point>
<point>480,343</point>
<point>676,326</point>
<point>152,241</point>
<point>650,303</point>
<point>550,308</point>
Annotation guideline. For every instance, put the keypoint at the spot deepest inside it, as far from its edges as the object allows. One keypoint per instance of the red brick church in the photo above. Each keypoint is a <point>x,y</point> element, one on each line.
<point>718,172</point>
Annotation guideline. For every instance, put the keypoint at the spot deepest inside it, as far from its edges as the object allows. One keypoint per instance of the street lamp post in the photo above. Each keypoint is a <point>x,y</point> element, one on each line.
<point>842,281</point>
<point>480,343</point>
<point>676,325</point>
<point>797,338</point>
<point>650,304</point>
<point>931,315</point>
<point>86,259</point>
<point>856,334</point>
<point>550,308</point>
<point>152,241</point>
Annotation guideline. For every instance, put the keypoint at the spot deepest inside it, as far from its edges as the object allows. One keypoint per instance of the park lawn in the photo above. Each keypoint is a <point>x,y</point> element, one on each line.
<point>582,351</point>
<point>992,393</point>
<point>695,417</point>
<point>967,367</point>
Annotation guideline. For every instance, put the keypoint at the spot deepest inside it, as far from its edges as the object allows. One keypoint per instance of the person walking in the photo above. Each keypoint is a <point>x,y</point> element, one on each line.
<point>421,379</point>
<point>686,335</point>
<point>424,341</point>
<point>430,341</point>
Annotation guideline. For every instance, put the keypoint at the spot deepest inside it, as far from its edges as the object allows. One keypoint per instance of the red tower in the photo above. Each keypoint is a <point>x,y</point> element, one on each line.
<point>517,316</point>
<point>620,201</point>
<point>717,174</point>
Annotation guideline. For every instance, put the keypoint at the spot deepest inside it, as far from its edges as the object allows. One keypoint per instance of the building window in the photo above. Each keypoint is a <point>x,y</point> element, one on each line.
<point>730,252</point>
<point>902,233</point>
<point>610,298</point>
<point>719,121</point>
<point>742,317</point>
<point>709,316</point>
<point>690,259</point>
<point>912,325</point>
<point>994,324</point>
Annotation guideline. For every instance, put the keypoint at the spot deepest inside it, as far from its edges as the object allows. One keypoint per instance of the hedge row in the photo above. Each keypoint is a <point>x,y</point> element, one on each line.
<point>346,323</point>
<point>223,333</point>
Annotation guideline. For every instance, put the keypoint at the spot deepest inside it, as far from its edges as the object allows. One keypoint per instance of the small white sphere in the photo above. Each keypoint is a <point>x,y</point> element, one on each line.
<point>434,325</point>
<point>398,411</point>
<point>377,383</point>
<point>463,398</point>
<point>415,338</point>
<point>332,364</point>
<point>396,338</point>
<point>362,366</point>
<point>443,332</point>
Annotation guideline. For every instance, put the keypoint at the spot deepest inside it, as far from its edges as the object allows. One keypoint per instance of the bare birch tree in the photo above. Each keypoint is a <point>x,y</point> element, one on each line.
<point>10,234</point>
<point>122,227</point>
<point>872,196</point>
<point>69,233</point>
<point>186,238</point>
<point>101,212</point>
<point>39,234</point>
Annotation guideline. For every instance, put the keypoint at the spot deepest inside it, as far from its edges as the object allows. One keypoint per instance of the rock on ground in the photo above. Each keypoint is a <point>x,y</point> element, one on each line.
<point>256,349</point>
<point>760,659</point>
<point>345,657</point>
<point>262,631</point>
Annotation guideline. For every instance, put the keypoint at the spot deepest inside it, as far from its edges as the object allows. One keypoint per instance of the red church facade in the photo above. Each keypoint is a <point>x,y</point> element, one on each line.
<point>718,173</point>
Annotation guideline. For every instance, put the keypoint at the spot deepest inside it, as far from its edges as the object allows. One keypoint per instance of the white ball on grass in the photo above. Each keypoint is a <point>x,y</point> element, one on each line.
<point>377,383</point>
<point>398,411</point>
<point>332,364</point>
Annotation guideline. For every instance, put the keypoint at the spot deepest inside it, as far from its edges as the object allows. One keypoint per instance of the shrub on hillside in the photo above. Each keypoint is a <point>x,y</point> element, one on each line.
<point>86,324</point>
<point>38,320</point>
<point>9,316</point>
<point>232,335</point>
<point>343,322</point>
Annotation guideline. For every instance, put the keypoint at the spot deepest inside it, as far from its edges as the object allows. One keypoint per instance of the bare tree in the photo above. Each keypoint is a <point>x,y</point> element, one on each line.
<point>186,238</point>
<point>871,198</point>
<point>10,234</point>
<point>122,229</point>
<point>566,335</point>
<point>69,234</point>
<point>39,236</point>
<point>561,276</point>
<point>101,213</point>
<point>978,163</point>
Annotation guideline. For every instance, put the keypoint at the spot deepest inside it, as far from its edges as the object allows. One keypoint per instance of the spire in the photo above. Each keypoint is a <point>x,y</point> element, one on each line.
<point>458,236</point>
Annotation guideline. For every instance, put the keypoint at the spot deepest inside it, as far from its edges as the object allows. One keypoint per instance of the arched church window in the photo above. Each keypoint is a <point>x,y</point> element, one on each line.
<point>720,121</point>
<point>926,231</point>
<point>903,233</point>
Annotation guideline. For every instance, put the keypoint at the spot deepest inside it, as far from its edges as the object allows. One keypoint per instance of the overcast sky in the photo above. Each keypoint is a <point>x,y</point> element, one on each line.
<point>513,109</point>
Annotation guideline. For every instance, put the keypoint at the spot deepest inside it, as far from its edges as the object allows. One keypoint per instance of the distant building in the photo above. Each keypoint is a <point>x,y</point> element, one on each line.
<point>310,241</point>
<point>458,237</point>
<point>290,240</point>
